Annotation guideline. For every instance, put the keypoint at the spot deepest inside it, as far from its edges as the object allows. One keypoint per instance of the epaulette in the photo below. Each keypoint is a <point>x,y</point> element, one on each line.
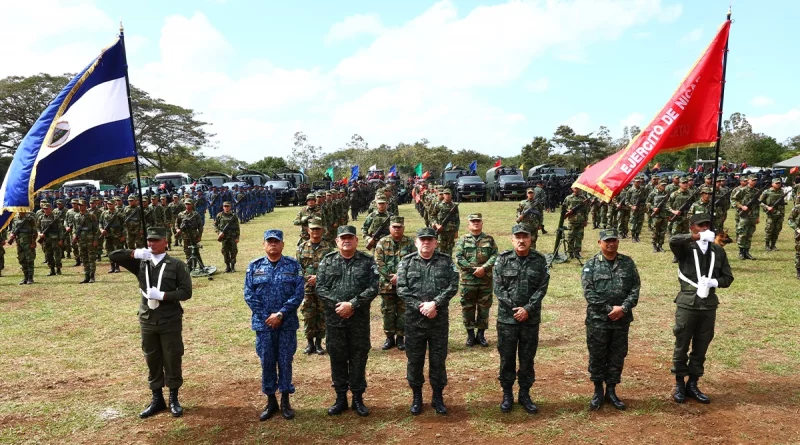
<point>362,253</point>
<point>507,252</point>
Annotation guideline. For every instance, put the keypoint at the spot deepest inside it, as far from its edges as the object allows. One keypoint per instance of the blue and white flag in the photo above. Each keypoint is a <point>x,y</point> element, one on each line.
<point>393,170</point>
<point>86,127</point>
<point>448,166</point>
<point>473,166</point>
<point>354,173</point>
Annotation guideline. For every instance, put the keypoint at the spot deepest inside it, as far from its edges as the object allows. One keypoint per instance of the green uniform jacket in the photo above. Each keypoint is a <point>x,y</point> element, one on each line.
<point>768,199</point>
<point>341,280</point>
<point>447,216</point>
<point>309,258</point>
<point>607,284</point>
<point>420,281</point>
<point>228,222</point>
<point>388,254</point>
<point>476,251</point>
<point>176,284</point>
<point>520,282</point>
<point>683,246</point>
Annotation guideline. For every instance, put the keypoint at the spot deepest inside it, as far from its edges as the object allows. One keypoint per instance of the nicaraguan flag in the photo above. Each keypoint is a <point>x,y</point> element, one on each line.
<point>86,127</point>
<point>393,170</point>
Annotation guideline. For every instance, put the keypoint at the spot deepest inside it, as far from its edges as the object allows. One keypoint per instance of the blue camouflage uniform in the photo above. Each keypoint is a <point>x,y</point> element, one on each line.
<point>270,288</point>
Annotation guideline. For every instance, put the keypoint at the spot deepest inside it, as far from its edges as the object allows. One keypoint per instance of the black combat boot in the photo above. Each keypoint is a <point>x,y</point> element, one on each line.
<point>310,346</point>
<point>635,238</point>
<point>679,395</point>
<point>660,247</point>
<point>318,346</point>
<point>286,407</point>
<point>233,266</point>
<point>91,277</point>
<point>611,396</point>
<point>113,268</point>
<point>767,246</point>
<point>339,405</point>
<point>52,271</point>
<point>416,400</point>
<point>174,405</point>
<point>741,254</point>
<point>77,262</point>
<point>30,277</point>
<point>270,409</point>
<point>508,400</point>
<point>437,401</point>
<point>157,404</point>
<point>389,343</point>
<point>524,399</point>
<point>470,338</point>
<point>773,246</point>
<point>85,278</point>
<point>597,398</point>
<point>798,273</point>
<point>401,343</point>
<point>481,338</point>
<point>694,392</point>
<point>227,267</point>
<point>358,404</point>
<point>58,271</point>
<point>747,255</point>
<point>24,278</point>
<point>655,248</point>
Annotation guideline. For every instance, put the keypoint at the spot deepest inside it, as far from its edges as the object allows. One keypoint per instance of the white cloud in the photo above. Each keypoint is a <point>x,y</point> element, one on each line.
<point>762,101</point>
<point>632,119</point>
<point>692,36</point>
<point>354,25</point>
<point>642,35</point>
<point>581,123</point>
<point>539,85</point>
<point>778,125</point>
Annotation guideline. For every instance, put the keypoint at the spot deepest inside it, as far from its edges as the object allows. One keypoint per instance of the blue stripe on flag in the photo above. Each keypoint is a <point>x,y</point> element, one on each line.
<point>111,66</point>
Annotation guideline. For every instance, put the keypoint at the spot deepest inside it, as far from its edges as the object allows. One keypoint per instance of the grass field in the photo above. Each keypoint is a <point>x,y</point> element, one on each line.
<point>72,368</point>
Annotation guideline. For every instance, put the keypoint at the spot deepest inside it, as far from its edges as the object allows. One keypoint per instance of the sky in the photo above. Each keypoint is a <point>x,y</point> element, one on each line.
<point>469,74</point>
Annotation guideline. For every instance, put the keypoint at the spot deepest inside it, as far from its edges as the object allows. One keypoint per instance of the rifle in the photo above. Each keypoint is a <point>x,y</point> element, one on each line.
<point>559,236</point>
<point>721,199</point>
<point>755,201</point>
<point>374,240</point>
<point>224,231</point>
<point>780,201</point>
<point>685,206</point>
<point>15,233</point>
<point>532,211</point>
<point>658,208</point>
<point>45,230</point>
<point>623,200</point>
<point>576,207</point>
<point>446,218</point>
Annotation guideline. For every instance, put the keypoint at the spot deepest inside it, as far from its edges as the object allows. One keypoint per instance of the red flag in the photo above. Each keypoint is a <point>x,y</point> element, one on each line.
<point>426,175</point>
<point>793,171</point>
<point>688,120</point>
<point>498,163</point>
<point>345,180</point>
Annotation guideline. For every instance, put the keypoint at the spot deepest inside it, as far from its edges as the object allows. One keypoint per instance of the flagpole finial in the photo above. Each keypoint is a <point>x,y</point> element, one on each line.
<point>121,28</point>
<point>729,12</point>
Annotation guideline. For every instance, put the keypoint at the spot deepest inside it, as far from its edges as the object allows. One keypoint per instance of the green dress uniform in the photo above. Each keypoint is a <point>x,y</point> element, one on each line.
<point>353,280</point>
<point>695,316</point>
<point>161,328</point>
<point>472,252</point>
<point>421,281</point>
<point>24,232</point>
<point>388,254</point>
<point>794,224</point>
<point>309,255</point>
<point>774,198</point>
<point>227,227</point>
<point>519,282</point>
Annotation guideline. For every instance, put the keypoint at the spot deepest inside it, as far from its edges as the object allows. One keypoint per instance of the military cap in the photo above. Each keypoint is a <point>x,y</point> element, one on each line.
<point>315,223</point>
<point>426,232</point>
<point>331,192</point>
<point>311,196</point>
<point>226,203</point>
<point>520,228</point>
<point>145,198</point>
<point>663,181</point>
<point>188,201</point>
<point>440,191</point>
<point>708,190</point>
<point>720,179</point>
<point>753,177</point>
<point>59,201</point>
<point>530,190</point>
<point>609,234</point>
<point>175,195</point>
<point>447,191</point>
<point>684,179</point>
<point>676,176</point>
<point>397,221</point>
<point>380,200</point>
<point>639,178</point>
<point>73,201</point>
<point>321,194</point>
<point>708,176</point>
<point>346,230</point>
<point>118,198</point>
<point>540,180</point>
<point>273,234</point>
<point>131,197</point>
<point>44,205</point>
<point>700,218</point>
<point>156,233</point>
<point>777,181</point>
<point>82,202</point>
<point>474,217</point>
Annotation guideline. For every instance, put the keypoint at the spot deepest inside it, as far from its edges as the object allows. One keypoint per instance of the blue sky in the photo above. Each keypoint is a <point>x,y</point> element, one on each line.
<point>483,75</point>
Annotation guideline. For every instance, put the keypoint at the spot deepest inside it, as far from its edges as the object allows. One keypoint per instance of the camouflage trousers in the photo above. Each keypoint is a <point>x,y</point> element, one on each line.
<point>575,237</point>
<point>447,240</point>
<point>624,221</point>
<point>313,314</point>
<point>693,329</point>
<point>659,231</point>
<point>637,221</point>
<point>796,253</point>
<point>169,236</point>
<point>114,241</point>
<point>229,250</point>
<point>2,257</point>
<point>52,251</point>
<point>607,351</point>
<point>476,300</point>
<point>88,255</point>
<point>613,216</point>
<point>348,349</point>
<point>517,340</point>
<point>679,225</point>
<point>275,349</point>
<point>595,215</point>
<point>134,237</point>
<point>66,245</point>
<point>189,240</point>
<point>26,255</point>
<point>604,216</point>
<point>744,232</point>
<point>772,227</point>
<point>393,309</point>
<point>719,221</point>
<point>434,340</point>
<point>76,250</point>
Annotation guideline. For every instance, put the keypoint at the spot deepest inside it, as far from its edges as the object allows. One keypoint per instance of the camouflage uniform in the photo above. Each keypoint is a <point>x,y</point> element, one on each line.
<point>774,219</point>
<point>52,233</point>
<point>111,221</point>
<point>794,224</point>
<point>190,225</point>
<point>87,234</point>
<point>61,214</point>
<point>658,199</point>
<point>473,251</point>
<point>310,256</point>
<point>69,222</point>
<point>637,197</point>
<point>680,223</point>
<point>447,217</point>
<point>303,216</point>
<point>175,207</point>
<point>376,226</point>
<point>388,253</point>
<point>528,214</point>
<point>133,226</point>
<point>26,231</point>
<point>624,212</point>
<point>229,224</point>
<point>747,220</point>
<point>3,238</point>
<point>577,222</point>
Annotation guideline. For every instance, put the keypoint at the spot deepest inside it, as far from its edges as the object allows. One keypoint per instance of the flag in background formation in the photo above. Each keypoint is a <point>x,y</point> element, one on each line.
<point>87,126</point>
<point>373,167</point>
<point>448,166</point>
<point>498,163</point>
<point>329,172</point>
<point>418,169</point>
<point>393,170</point>
<point>688,120</point>
<point>473,166</point>
<point>354,173</point>
<point>522,167</point>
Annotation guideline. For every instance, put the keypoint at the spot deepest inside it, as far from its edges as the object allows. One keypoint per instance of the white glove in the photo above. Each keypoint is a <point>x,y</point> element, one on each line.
<point>155,294</point>
<point>152,304</point>
<point>143,254</point>
<point>702,287</point>
<point>707,235</point>
<point>712,282</point>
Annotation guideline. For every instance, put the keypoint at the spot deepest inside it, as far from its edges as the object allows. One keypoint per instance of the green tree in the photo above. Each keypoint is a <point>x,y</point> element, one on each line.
<point>22,101</point>
<point>304,155</point>
<point>536,152</point>
<point>268,164</point>
<point>763,151</point>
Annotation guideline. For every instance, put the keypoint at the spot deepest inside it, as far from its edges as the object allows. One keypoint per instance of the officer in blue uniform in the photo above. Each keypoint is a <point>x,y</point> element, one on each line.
<point>273,288</point>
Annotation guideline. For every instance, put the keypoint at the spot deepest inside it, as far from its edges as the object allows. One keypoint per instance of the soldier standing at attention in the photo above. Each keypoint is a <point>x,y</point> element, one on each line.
<point>176,207</point>
<point>736,190</point>
<point>794,224</point>
<point>748,216</point>
<point>226,224</point>
<point>305,214</point>
<point>347,281</point>
<point>189,227</point>
<point>69,221</point>
<point>87,232</point>
<point>164,282</point>
<point>376,224</point>
<point>447,222</point>
<point>427,280</point>
<point>61,214</point>
<point>637,199</point>
<point>111,229</point>
<point>169,219</point>
<point>520,283</point>
<point>24,231</point>
<point>680,222</point>
<point>648,190</point>
<point>702,267</point>
<point>201,205</point>
<point>577,212</point>
<point>388,253</point>
<point>657,203</point>
<point>774,207</point>
<point>51,232</point>
<point>624,211</point>
<point>133,224</point>
<point>273,288</point>
<point>528,213</point>
<point>540,198</point>
<point>476,253</point>
<point>611,287</point>
<point>309,254</point>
